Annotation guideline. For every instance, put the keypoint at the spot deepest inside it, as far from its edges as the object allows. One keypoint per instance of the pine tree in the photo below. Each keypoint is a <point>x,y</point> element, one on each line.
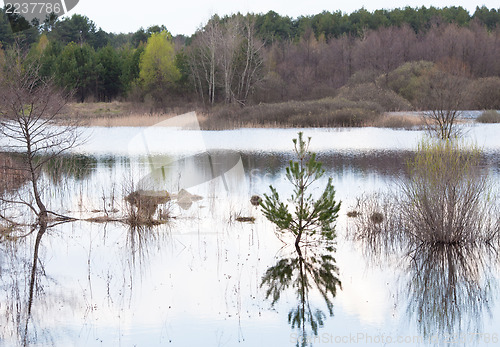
<point>310,216</point>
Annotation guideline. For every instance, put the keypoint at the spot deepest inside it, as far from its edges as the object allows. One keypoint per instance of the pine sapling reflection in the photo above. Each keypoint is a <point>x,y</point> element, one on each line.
<point>311,217</point>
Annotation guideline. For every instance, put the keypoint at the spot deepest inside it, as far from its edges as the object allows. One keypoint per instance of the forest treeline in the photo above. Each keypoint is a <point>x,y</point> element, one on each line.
<point>383,57</point>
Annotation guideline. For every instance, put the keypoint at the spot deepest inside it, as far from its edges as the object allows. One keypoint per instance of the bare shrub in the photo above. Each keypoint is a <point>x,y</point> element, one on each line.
<point>442,93</point>
<point>484,93</point>
<point>405,80</point>
<point>490,116</point>
<point>441,228</point>
<point>446,199</point>
<point>456,278</point>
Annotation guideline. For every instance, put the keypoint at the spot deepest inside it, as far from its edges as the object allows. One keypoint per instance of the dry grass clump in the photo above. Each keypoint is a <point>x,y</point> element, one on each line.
<point>132,120</point>
<point>400,121</point>
<point>353,214</point>
<point>119,114</point>
<point>243,219</point>
<point>490,116</point>
<point>143,205</point>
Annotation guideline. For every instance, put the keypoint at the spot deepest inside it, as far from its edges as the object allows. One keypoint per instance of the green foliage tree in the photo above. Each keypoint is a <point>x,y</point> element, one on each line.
<point>75,69</point>
<point>271,26</point>
<point>15,28</point>
<point>490,18</point>
<point>78,29</point>
<point>183,84</point>
<point>139,37</point>
<point>6,34</point>
<point>226,60</point>
<point>311,216</point>
<point>109,69</point>
<point>48,56</point>
<point>131,58</point>
<point>158,71</point>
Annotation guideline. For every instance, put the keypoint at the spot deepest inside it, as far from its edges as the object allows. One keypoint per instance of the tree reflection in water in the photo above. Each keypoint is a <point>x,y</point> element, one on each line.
<point>449,286</point>
<point>23,281</point>
<point>32,302</point>
<point>307,270</point>
<point>450,289</point>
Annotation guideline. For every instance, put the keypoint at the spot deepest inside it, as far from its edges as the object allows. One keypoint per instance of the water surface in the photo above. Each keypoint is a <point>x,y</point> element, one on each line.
<point>204,278</point>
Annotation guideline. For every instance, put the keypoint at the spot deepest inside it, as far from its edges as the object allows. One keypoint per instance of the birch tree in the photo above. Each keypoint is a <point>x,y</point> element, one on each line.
<point>225,60</point>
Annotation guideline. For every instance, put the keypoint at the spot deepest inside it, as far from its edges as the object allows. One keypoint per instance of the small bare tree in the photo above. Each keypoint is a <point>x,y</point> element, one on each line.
<point>442,94</point>
<point>29,110</point>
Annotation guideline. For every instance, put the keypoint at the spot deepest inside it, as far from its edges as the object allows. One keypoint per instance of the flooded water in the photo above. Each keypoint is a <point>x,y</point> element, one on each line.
<point>205,279</point>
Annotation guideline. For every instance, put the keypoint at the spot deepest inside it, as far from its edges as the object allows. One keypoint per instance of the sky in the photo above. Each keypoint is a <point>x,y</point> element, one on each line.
<point>185,16</point>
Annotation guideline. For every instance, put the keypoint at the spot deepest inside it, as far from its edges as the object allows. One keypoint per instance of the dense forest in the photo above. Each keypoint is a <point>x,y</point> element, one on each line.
<point>385,56</point>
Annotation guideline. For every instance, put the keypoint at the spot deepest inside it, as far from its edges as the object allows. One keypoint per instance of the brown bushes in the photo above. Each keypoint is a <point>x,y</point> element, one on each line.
<point>327,112</point>
<point>484,93</point>
<point>490,116</point>
<point>370,92</point>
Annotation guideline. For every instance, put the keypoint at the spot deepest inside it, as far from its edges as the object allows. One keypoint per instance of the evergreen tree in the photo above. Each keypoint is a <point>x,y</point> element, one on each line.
<point>311,216</point>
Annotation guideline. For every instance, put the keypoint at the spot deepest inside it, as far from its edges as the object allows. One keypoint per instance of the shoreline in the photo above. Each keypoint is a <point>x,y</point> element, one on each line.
<point>125,114</point>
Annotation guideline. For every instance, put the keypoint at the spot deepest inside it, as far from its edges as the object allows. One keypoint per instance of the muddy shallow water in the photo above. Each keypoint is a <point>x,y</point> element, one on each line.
<point>205,279</point>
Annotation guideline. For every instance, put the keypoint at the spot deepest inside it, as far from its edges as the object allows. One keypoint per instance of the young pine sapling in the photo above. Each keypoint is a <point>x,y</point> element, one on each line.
<point>311,216</point>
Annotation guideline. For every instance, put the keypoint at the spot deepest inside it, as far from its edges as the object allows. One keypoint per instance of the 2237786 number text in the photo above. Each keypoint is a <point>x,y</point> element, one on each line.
<point>33,8</point>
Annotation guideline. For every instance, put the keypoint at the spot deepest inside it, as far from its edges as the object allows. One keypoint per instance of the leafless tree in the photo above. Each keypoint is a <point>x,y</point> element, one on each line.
<point>202,60</point>
<point>225,57</point>
<point>250,74</point>
<point>228,43</point>
<point>384,49</point>
<point>30,108</point>
<point>441,95</point>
